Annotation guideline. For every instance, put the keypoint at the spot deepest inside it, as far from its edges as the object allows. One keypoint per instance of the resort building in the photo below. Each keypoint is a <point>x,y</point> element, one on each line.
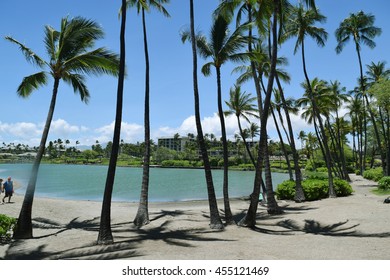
<point>173,143</point>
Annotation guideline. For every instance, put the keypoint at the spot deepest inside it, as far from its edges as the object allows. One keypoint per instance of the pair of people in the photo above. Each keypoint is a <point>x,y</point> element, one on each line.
<point>8,188</point>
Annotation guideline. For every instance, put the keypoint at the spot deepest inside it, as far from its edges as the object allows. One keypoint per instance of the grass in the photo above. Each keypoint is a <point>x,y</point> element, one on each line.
<point>381,192</point>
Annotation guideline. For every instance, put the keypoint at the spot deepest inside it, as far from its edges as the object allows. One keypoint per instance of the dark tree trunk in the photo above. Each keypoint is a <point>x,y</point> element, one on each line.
<point>142,217</point>
<point>317,115</point>
<point>105,233</point>
<point>250,218</point>
<point>215,220</point>
<point>23,228</point>
<point>299,195</point>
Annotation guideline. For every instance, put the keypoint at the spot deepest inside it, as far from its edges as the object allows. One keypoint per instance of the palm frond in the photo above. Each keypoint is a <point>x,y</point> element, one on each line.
<point>78,83</point>
<point>31,83</point>
<point>30,56</point>
<point>96,62</point>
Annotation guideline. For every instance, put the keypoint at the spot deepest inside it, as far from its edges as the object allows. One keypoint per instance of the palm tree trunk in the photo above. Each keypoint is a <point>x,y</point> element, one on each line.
<point>250,218</point>
<point>215,220</point>
<point>299,194</point>
<point>282,145</point>
<point>245,143</point>
<point>228,212</point>
<point>332,193</point>
<point>142,217</point>
<point>105,233</point>
<point>23,228</point>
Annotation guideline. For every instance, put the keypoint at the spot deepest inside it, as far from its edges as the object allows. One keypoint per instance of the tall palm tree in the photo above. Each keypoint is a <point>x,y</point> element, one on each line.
<point>105,233</point>
<point>376,73</point>
<point>142,216</point>
<point>215,220</point>
<point>70,58</point>
<point>241,105</point>
<point>300,24</point>
<point>221,48</point>
<point>339,97</point>
<point>360,27</point>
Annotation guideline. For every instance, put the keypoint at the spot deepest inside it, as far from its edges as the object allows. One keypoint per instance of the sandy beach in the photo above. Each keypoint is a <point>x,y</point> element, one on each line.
<point>349,228</point>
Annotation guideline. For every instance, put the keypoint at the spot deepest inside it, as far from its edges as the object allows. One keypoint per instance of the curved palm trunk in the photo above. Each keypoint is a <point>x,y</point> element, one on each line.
<point>250,218</point>
<point>215,220</point>
<point>299,194</point>
<point>282,145</point>
<point>332,192</point>
<point>228,212</point>
<point>23,228</point>
<point>245,143</point>
<point>142,217</point>
<point>105,233</point>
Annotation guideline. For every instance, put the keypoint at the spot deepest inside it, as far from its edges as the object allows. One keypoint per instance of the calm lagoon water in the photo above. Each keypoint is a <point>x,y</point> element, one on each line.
<point>85,182</point>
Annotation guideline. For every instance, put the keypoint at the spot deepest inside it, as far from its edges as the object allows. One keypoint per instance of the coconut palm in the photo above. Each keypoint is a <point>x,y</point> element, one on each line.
<point>142,216</point>
<point>241,105</point>
<point>375,74</point>
<point>105,233</point>
<point>215,220</point>
<point>71,57</point>
<point>339,97</point>
<point>221,48</point>
<point>315,97</point>
<point>360,27</point>
<point>300,24</point>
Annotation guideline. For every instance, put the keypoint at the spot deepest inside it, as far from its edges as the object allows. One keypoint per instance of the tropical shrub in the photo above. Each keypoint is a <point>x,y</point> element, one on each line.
<point>6,226</point>
<point>342,188</point>
<point>374,174</point>
<point>286,190</point>
<point>384,183</point>
<point>314,189</point>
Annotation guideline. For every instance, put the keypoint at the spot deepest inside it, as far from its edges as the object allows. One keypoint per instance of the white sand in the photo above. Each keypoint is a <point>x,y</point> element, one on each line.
<point>349,228</point>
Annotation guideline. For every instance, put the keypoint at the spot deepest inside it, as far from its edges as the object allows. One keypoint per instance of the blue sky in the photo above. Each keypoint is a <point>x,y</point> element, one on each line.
<point>21,120</point>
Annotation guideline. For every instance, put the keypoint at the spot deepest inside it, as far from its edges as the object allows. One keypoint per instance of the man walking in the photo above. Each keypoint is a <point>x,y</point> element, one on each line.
<point>8,189</point>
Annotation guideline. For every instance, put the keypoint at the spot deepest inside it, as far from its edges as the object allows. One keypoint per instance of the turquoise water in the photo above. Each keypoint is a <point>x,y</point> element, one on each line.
<point>85,182</point>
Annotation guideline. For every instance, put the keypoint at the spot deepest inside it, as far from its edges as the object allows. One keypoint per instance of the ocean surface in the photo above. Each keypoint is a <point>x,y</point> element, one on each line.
<point>86,182</point>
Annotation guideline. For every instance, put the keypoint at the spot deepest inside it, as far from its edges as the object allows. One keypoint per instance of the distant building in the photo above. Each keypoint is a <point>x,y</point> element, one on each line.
<point>173,143</point>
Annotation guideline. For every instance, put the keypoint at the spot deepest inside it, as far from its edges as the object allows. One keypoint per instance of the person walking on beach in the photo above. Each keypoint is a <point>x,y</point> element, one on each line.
<point>8,189</point>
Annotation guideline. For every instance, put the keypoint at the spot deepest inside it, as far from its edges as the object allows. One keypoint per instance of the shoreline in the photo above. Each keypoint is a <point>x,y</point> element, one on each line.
<point>356,227</point>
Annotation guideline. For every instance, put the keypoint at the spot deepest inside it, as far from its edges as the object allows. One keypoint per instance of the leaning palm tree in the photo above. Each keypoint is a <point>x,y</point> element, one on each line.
<point>71,56</point>
<point>215,220</point>
<point>300,24</point>
<point>221,48</point>
<point>142,217</point>
<point>241,105</point>
<point>105,233</point>
<point>360,27</point>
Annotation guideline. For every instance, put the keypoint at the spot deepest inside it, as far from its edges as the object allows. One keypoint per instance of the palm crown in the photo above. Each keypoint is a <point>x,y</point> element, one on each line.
<point>70,56</point>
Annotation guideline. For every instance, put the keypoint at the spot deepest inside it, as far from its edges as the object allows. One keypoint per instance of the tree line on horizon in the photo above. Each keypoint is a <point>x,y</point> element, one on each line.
<point>250,34</point>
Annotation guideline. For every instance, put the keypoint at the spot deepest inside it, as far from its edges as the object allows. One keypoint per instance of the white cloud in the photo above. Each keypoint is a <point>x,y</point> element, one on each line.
<point>130,132</point>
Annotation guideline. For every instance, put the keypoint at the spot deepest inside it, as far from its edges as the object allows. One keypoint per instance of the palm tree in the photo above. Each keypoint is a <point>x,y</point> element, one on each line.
<point>376,73</point>
<point>221,48</point>
<point>360,27</point>
<point>105,233</point>
<point>300,24</point>
<point>215,220</point>
<point>303,137</point>
<point>142,217</point>
<point>70,58</point>
<point>241,105</point>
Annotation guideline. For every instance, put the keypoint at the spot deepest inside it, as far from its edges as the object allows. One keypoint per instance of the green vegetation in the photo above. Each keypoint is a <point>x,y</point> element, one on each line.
<point>314,189</point>
<point>374,174</point>
<point>7,225</point>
